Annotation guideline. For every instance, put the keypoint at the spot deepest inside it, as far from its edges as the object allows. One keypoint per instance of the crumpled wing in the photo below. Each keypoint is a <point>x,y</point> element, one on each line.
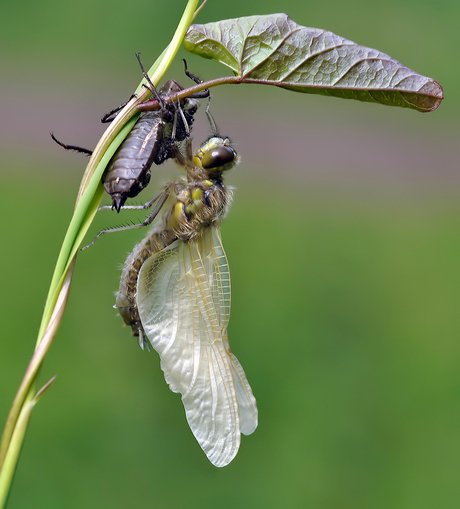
<point>184,305</point>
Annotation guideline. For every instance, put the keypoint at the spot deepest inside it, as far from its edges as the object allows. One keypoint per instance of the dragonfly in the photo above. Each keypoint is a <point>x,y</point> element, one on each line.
<point>175,294</point>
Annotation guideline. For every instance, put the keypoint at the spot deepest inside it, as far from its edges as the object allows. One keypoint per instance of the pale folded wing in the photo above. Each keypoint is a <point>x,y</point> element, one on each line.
<point>184,306</point>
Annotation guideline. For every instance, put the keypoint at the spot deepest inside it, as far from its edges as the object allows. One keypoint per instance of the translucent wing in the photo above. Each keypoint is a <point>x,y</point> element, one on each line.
<point>219,280</point>
<point>184,305</point>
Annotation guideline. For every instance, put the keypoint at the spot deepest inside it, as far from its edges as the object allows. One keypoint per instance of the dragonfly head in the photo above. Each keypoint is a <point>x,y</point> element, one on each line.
<point>216,155</point>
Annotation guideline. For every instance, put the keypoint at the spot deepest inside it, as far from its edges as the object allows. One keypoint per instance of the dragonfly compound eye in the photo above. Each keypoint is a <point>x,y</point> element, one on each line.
<point>218,158</point>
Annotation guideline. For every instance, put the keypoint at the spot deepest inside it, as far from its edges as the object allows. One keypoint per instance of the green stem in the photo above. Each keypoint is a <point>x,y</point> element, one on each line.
<point>14,450</point>
<point>17,440</point>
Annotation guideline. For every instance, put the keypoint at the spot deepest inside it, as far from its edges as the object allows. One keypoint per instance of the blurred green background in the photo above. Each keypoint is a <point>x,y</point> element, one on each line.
<point>344,248</point>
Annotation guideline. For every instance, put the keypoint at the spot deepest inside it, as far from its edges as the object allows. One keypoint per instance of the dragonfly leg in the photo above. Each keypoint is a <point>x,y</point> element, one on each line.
<point>211,120</point>
<point>161,198</point>
<point>141,207</point>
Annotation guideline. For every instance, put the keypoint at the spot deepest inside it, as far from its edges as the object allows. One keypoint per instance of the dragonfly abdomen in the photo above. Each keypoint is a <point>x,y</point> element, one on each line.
<point>159,238</point>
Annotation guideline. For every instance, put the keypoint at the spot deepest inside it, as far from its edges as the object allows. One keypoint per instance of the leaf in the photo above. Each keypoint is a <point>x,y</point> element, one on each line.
<point>275,50</point>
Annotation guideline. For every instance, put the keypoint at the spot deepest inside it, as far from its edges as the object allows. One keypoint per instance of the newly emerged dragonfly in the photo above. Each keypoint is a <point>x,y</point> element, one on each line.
<point>175,294</point>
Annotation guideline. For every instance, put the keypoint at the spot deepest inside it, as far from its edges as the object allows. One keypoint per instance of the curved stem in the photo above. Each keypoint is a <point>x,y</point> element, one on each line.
<point>27,387</point>
<point>152,104</point>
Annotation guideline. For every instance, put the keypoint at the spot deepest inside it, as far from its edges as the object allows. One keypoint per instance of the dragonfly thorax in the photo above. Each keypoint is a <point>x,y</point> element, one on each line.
<point>206,205</point>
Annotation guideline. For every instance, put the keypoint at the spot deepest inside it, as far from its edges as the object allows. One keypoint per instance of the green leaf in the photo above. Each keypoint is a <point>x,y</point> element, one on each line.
<point>275,50</point>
